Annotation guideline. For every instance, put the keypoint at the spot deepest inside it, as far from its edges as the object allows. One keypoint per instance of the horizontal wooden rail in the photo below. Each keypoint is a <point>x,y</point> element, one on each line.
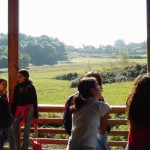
<point>117,143</point>
<point>60,108</point>
<point>63,131</point>
<point>55,125</point>
<point>60,121</point>
<point>118,133</point>
<point>50,108</point>
<point>117,122</point>
<point>51,120</point>
<point>52,141</point>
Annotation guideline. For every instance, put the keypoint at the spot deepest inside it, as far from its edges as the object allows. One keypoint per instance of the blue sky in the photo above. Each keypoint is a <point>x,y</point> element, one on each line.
<point>78,22</point>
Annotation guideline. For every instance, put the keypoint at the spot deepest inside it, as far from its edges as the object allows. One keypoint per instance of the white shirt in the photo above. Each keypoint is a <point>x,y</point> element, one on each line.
<point>86,121</point>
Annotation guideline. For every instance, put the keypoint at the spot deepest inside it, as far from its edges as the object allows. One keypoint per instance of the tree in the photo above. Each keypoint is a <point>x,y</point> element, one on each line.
<point>4,61</point>
<point>24,60</point>
<point>119,43</point>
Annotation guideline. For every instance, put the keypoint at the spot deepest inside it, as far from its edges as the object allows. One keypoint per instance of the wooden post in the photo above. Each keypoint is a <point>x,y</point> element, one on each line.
<point>148,35</point>
<point>12,45</point>
<point>13,32</point>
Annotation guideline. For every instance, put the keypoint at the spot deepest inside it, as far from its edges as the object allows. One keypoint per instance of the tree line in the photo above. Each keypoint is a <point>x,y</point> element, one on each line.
<point>117,50</point>
<point>37,51</point>
<point>45,50</point>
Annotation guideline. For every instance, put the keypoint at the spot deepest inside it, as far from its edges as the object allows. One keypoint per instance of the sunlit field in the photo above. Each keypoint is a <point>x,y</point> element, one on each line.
<point>52,91</point>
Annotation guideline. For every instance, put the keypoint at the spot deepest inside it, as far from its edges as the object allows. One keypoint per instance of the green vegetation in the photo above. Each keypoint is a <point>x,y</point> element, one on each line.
<point>53,91</point>
<point>45,50</point>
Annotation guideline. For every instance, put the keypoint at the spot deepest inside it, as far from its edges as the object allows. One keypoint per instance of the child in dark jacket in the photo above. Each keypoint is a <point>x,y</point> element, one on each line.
<point>6,129</point>
<point>24,106</point>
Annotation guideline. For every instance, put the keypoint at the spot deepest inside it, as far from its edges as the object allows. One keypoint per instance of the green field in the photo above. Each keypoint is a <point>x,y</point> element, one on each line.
<point>52,91</point>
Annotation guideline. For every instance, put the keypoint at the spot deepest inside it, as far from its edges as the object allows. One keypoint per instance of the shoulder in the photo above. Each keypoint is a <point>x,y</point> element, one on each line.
<point>104,107</point>
<point>70,98</point>
<point>75,94</point>
<point>103,104</point>
<point>30,86</point>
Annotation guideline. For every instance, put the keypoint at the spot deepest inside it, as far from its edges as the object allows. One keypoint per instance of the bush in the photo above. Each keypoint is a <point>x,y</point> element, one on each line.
<point>69,76</point>
<point>125,74</point>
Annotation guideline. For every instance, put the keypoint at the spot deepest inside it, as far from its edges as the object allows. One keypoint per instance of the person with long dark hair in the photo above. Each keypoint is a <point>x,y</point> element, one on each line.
<point>138,114</point>
<point>24,106</point>
<point>89,116</point>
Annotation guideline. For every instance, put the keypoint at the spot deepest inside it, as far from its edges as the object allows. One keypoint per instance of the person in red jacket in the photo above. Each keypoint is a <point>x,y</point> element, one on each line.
<point>24,106</point>
<point>138,114</point>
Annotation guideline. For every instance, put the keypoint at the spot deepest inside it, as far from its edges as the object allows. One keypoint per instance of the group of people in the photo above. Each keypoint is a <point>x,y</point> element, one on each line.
<point>22,111</point>
<point>85,114</point>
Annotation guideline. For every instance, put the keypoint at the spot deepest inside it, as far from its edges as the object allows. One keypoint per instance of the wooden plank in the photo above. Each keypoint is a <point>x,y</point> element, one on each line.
<point>60,108</point>
<point>118,133</point>
<point>65,142</point>
<point>60,121</point>
<point>52,141</point>
<point>48,131</point>
<point>117,109</point>
<point>117,122</point>
<point>117,143</point>
<point>50,108</point>
<point>51,120</point>
<point>63,131</point>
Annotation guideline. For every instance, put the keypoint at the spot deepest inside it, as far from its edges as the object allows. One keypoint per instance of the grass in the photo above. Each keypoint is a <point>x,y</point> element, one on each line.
<point>52,91</point>
<point>116,93</point>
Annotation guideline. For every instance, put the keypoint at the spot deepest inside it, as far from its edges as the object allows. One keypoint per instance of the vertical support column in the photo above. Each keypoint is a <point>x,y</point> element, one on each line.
<point>13,33</point>
<point>148,35</point>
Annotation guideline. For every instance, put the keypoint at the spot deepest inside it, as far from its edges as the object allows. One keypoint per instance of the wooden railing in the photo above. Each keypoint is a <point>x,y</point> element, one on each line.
<point>57,135</point>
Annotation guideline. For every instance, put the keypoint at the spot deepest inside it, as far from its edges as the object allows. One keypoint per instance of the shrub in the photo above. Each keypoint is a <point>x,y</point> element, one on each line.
<point>125,74</point>
<point>69,76</point>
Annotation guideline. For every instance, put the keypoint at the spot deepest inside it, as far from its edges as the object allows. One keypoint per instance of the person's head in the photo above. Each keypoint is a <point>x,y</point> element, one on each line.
<point>88,87</point>
<point>23,76</point>
<point>3,86</point>
<point>138,102</point>
<point>96,75</point>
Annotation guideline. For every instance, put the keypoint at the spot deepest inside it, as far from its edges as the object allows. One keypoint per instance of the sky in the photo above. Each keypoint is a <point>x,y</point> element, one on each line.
<point>81,22</point>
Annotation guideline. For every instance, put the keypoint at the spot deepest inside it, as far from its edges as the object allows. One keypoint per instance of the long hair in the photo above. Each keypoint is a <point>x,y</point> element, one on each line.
<point>84,87</point>
<point>138,102</point>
